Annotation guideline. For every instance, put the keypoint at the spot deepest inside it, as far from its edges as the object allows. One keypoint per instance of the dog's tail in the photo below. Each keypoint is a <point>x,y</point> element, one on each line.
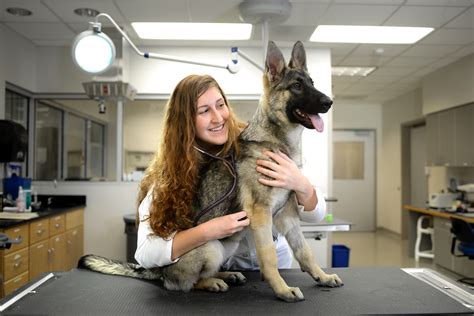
<point>116,267</point>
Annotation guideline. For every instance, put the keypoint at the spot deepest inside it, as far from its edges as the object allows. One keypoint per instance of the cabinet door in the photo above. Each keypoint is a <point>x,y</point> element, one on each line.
<point>57,246</point>
<point>442,243</point>
<point>39,230</point>
<point>17,232</point>
<point>39,259</point>
<point>447,135</point>
<point>464,140</point>
<point>74,246</point>
<point>57,224</point>
<point>432,146</point>
<point>15,264</point>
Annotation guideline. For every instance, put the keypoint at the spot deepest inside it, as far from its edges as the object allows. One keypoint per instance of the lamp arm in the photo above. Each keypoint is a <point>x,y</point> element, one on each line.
<point>250,60</point>
<point>232,67</point>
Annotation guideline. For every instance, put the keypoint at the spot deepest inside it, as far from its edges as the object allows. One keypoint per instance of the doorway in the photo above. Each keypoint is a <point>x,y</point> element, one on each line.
<point>354,177</point>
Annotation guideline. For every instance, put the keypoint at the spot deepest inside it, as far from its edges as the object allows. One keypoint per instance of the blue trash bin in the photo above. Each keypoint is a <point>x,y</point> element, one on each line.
<point>340,256</point>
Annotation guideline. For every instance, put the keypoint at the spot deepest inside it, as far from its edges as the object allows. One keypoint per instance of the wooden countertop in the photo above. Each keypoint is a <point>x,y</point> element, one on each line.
<point>437,213</point>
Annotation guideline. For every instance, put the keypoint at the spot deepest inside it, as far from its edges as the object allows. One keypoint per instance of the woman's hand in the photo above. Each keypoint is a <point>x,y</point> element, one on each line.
<point>225,226</point>
<point>282,172</point>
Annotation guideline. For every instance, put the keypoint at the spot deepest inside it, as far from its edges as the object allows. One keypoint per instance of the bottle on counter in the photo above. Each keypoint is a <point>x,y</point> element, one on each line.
<point>21,201</point>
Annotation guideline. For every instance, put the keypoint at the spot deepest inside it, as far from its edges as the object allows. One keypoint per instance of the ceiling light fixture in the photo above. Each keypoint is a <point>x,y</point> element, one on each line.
<point>86,12</point>
<point>19,11</point>
<point>369,34</point>
<point>193,31</point>
<point>94,52</point>
<point>339,71</point>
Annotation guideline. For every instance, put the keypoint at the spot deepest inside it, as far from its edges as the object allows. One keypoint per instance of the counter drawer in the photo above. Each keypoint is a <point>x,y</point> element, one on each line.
<point>74,218</point>
<point>15,232</point>
<point>15,283</point>
<point>15,264</point>
<point>39,230</point>
<point>57,224</point>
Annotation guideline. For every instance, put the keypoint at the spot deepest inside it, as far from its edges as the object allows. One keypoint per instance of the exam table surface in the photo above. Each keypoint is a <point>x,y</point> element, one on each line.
<point>365,291</point>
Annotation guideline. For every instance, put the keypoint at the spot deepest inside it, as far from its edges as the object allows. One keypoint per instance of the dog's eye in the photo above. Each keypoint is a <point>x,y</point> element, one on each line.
<point>296,85</point>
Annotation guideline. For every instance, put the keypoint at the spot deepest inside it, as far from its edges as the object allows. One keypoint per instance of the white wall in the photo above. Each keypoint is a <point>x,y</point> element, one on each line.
<point>395,112</point>
<point>449,86</point>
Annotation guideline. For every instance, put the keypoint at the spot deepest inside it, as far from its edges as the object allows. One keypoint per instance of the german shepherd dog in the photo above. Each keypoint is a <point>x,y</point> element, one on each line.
<point>289,103</point>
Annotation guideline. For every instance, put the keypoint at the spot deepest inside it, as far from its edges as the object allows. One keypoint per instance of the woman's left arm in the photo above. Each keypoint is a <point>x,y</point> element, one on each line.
<point>282,172</point>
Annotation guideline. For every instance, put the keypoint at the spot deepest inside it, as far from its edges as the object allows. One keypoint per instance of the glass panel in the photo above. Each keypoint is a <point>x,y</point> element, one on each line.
<point>95,150</point>
<point>75,138</point>
<point>16,110</point>
<point>47,150</point>
<point>348,160</point>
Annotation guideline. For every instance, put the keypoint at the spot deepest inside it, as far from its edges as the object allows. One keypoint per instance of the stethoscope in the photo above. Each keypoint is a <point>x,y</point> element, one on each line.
<point>231,166</point>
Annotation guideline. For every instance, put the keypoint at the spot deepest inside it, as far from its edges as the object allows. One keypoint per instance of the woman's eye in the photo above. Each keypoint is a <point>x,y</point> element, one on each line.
<point>222,105</point>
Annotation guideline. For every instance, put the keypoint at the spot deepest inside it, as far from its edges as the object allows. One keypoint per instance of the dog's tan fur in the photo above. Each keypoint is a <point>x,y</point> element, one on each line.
<point>276,126</point>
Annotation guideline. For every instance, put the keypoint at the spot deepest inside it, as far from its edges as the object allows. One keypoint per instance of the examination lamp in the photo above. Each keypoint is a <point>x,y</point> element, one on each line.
<point>94,52</point>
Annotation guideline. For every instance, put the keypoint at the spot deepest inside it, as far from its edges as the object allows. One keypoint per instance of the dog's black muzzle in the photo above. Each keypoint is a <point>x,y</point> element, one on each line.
<point>325,103</point>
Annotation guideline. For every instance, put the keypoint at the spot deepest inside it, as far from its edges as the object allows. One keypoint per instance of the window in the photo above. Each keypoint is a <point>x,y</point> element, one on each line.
<point>48,126</point>
<point>74,143</point>
<point>96,150</point>
<point>16,110</point>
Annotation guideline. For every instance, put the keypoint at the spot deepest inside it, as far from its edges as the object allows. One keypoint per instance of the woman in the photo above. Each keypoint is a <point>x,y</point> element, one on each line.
<point>199,120</point>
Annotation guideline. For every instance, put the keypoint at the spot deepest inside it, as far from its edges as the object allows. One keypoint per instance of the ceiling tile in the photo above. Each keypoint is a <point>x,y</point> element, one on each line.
<point>336,49</point>
<point>306,13</point>
<point>464,20</point>
<point>65,9</point>
<point>40,12</point>
<point>423,16</point>
<point>357,14</point>
<point>430,50</point>
<point>410,61</point>
<point>44,31</point>
<point>453,3</point>
<point>364,61</point>
<point>222,11</point>
<point>393,71</point>
<point>449,36</point>
<point>384,2</point>
<point>154,10</point>
<point>466,50</point>
<point>388,50</point>
<point>442,62</point>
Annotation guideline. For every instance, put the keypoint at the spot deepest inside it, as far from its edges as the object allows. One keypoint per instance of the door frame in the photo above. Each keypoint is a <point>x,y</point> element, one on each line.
<point>406,170</point>
<point>374,130</point>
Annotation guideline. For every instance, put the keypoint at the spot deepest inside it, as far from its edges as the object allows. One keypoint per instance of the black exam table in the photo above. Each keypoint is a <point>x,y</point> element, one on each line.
<point>365,291</point>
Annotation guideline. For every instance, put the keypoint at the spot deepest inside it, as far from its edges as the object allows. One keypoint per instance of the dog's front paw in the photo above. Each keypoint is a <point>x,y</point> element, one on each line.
<point>291,294</point>
<point>331,280</point>
<point>236,278</point>
<point>211,285</point>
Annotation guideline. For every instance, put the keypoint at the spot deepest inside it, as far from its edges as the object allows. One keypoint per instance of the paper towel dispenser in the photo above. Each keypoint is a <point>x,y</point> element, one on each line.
<point>13,141</point>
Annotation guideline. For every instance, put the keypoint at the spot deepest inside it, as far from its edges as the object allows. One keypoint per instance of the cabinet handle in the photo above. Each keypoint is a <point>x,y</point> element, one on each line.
<point>39,231</point>
<point>57,225</point>
<point>17,264</point>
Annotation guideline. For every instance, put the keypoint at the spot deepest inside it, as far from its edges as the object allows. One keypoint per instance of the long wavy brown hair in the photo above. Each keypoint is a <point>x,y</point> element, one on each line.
<point>173,171</point>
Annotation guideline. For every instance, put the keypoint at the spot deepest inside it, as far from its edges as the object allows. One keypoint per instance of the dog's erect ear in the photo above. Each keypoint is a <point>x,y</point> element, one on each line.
<point>275,63</point>
<point>298,57</point>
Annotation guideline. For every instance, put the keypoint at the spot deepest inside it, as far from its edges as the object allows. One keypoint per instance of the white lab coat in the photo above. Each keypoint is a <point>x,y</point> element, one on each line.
<point>154,251</point>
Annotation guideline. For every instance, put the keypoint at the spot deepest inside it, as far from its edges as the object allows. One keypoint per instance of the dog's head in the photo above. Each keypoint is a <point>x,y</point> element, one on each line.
<point>303,102</point>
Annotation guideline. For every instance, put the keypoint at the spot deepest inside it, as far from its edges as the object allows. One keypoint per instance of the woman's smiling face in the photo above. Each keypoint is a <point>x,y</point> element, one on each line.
<point>211,119</point>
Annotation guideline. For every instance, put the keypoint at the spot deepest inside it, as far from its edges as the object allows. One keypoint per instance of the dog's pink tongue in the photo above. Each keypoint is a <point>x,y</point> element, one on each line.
<point>317,122</point>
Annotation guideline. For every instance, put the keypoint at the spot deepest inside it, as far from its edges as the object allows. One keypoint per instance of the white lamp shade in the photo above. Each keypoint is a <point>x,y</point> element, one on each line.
<point>93,52</point>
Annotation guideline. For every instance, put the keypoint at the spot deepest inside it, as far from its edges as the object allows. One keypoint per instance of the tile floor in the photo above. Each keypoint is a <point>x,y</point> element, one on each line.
<point>383,249</point>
